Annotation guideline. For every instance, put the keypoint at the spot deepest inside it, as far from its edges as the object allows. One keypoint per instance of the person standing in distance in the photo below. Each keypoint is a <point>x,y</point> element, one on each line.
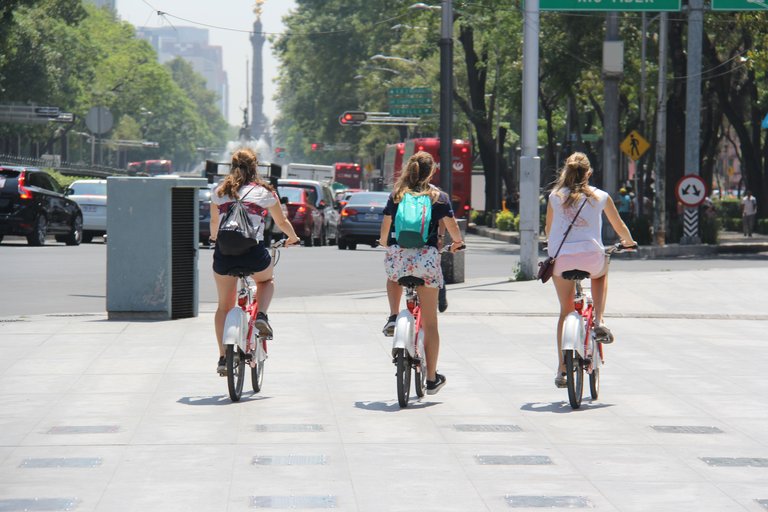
<point>583,247</point>
<point>244,183</point>
<point>748,212</point>
<point>422,262</point>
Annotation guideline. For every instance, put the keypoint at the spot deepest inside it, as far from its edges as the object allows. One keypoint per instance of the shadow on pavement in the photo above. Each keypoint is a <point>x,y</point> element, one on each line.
<point>393,407</point>
<point>218,399</point>
<point>561,407</point>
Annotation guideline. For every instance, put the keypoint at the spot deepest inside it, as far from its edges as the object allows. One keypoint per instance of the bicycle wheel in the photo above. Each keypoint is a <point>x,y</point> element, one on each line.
<point>257,372</point>
<point>235,372</point>
<point>403,374</point>
<point>594,383</point>
<point>574,368</point>
<point>420,380</point>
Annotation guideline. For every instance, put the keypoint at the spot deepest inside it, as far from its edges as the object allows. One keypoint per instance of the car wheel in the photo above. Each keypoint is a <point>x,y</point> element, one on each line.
<point>37,237</point>
<point>308,241</point>
<point>341,243</point>
<point>87,237</point>
<point>1,239</point>
<point>76,236</point>
<point>352,246</point>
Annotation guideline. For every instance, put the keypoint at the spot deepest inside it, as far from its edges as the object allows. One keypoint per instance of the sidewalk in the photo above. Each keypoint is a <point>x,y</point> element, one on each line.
<point>110,416</point>
<point>729,242</point>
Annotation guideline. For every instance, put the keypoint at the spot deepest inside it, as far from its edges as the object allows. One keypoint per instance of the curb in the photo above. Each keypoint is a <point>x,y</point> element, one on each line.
<point>644,252</point>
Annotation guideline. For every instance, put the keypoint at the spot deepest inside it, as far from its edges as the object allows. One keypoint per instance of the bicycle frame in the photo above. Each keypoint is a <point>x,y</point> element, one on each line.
<point>578,330</point>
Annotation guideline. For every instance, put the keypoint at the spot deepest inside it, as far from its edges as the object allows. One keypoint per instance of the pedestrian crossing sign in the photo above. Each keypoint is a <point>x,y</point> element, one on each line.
<point>634,146</point>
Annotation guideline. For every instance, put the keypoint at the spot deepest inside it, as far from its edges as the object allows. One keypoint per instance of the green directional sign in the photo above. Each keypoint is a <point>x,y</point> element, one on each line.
<point>611,5</point>
<point>410,111</point>
<point>739,5</point>
<point>409,91</point>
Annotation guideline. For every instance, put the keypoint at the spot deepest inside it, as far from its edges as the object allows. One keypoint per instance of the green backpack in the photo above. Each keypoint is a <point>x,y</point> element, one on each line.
<point>412,220</point>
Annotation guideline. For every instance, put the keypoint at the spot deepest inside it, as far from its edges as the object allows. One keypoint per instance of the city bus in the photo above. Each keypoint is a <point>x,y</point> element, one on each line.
<point>150,167</point>
<point>349,175</point>
<point>461,167</point>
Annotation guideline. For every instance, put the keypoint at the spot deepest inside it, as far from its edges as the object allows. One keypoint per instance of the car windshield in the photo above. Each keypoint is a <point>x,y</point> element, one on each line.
<point>294,194</point>
<point>89,189</point>
<point>368,199</point>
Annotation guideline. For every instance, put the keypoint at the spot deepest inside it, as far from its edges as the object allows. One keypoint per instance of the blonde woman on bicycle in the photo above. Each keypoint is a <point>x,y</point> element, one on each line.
<point>583,248</point>
<point>422,262</point>
<point>244,183</point>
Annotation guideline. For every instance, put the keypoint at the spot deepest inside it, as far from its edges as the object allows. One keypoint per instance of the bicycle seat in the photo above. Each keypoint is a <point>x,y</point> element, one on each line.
<point>410,281</point>
<point>575,275</point>
<point>239,272</point>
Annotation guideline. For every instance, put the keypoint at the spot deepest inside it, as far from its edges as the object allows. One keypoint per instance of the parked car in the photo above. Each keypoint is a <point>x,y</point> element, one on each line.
<point>361,219</point>
<point>322,219</point>
<point>33,204</point>
<point>91,195</point>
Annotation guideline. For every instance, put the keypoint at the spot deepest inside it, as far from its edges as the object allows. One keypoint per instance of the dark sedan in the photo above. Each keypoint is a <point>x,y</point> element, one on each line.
<point>33,204</point>
<point>361,219</point>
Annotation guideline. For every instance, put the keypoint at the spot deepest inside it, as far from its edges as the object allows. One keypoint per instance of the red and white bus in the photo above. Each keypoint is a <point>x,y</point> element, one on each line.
<point>461,167</point>
<point>348,174</point>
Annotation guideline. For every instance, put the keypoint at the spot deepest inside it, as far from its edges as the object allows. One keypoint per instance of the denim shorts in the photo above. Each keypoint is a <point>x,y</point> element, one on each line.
<point>255,260</point>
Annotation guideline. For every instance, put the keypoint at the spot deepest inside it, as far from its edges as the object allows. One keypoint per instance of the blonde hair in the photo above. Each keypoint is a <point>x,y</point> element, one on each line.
<point>415,177</point>
<point>244,171</point>
<point>575,177</point>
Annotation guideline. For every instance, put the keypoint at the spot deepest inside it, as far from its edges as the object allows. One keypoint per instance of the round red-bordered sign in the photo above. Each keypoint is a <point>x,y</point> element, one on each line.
<point>691,190</point>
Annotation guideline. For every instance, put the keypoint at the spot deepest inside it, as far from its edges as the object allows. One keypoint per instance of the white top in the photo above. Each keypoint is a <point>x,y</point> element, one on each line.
<point>585,236</point>
<point>750,205</point>
<point>256,199</point>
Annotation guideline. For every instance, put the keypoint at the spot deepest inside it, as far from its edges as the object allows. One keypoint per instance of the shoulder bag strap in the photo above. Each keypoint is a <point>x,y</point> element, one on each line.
<point>570,226</point>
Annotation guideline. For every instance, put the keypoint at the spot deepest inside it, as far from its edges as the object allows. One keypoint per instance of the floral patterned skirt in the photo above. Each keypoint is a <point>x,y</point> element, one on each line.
<point>423,262</point>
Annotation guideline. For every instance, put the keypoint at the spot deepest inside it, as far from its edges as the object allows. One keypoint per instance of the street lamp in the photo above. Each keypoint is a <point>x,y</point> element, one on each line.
<point>446,88</point>
<point>379,56</point>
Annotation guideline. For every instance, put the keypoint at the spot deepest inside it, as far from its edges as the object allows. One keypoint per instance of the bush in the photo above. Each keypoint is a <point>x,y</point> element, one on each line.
<point>477,217</point>
<point>709,227</point>
<point>507,221</point>
<point>66,181</point>
<point>761,226</point>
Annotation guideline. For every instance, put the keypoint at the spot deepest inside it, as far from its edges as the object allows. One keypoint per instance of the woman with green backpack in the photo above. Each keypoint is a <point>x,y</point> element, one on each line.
<point>409,232</point>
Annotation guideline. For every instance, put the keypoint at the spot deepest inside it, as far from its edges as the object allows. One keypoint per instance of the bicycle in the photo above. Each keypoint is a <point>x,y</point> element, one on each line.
<point>582,352</point>
<point>242,342</point>
<point>408,342</point>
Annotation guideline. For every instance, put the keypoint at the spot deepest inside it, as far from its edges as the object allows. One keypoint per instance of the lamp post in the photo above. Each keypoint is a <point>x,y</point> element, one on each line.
<point>446,89</point>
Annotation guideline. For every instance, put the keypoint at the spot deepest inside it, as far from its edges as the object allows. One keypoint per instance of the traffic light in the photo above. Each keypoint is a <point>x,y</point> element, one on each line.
<point>352,118</point>
<point>317,146</point>
<point>279,152</point>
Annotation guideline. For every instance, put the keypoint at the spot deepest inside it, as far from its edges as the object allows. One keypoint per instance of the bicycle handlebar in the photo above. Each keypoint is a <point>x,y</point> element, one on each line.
<point>618,247</point>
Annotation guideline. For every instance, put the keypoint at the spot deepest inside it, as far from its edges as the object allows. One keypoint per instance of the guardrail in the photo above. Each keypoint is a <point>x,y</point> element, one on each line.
<point>65,168</point>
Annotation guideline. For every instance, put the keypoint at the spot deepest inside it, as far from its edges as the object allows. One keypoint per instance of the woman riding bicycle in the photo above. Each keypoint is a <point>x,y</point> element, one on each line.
<point>422,262</point>
<point>583,248</point>
<point>244,183</point>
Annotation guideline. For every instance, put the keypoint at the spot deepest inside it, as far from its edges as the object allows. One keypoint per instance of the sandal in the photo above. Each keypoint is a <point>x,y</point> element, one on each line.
<point>603,334</point>
<point>561,381</point>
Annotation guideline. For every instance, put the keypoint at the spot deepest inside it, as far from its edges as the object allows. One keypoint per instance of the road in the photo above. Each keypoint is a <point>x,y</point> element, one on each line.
<point>59,279</point>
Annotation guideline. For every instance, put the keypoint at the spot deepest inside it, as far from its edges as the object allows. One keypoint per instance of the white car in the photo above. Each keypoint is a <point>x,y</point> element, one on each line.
<point>91,195</point>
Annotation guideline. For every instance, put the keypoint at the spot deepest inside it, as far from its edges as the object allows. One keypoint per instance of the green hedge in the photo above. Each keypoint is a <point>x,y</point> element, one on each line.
<point>507,221</point>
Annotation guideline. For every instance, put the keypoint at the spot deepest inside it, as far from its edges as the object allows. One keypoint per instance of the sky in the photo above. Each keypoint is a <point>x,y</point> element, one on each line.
<point>236,46</point>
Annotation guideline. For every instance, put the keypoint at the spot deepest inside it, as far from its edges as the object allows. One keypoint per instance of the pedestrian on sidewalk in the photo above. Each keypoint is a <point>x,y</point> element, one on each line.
<point>243,183</point>
<point>422,262</point>
<point>748,212</point>
<point>574,202</point>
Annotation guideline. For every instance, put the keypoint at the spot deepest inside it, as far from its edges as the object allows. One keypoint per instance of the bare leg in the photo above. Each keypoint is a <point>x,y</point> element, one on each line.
<point>565,290</point>
<point>394,292</point>
<point>226,286</point>
<point>265,288</point>
<point>599,296</point>
<point>428,302</point>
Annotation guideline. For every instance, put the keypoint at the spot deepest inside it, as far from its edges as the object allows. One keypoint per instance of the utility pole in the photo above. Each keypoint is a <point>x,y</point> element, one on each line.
<point>660,210</point>
<point>693,112</point>
<point>530,163</point>
<point>640,177</point>
<point>446,96</point>
<point>612,72</point>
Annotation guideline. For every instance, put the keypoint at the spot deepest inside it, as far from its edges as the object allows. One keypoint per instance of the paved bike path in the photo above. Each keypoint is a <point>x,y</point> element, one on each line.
<point>99,415</point>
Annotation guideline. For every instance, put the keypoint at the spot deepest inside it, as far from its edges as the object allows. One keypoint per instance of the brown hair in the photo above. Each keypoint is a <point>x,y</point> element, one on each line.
<point>415,176</point>
<point>244,171</point>
<point>575,176</point>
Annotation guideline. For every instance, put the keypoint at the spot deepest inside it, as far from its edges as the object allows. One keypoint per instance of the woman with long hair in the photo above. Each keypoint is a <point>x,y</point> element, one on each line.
<point>259,198</point>
<point>583,247</point>
<point>422,262</point>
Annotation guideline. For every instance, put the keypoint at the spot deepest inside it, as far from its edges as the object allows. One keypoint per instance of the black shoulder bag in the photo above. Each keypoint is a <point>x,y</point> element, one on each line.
<point>547,266</point>
<point>236,234</point>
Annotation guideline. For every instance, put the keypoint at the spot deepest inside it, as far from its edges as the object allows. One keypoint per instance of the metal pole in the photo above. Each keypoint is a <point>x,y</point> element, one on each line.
<point>660,209</point>
<point>693,112</point>
<point>446,96</point>
<point>529,161</point>
<point>640,168</point>
<point>611,115</point>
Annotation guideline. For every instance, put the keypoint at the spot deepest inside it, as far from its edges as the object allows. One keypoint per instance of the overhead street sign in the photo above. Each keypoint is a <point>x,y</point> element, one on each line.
<point>739,5</point>
<point>691,190</point>
<point>634,146</point>
<point>610,5</point>
<point>411,111</point>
